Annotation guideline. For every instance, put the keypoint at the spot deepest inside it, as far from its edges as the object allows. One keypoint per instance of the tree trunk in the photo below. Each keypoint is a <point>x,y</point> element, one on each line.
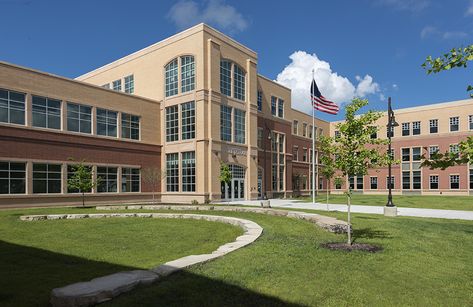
<point>328,184</point>
<point>349,218</point>
<point>83,200</point>
<point>153,195</point>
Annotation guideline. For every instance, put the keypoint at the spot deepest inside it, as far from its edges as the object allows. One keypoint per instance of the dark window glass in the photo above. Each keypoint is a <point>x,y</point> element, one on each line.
<point>47,178</point>
<point>406,180</point>
<point>12,177</point>
<point>12,107</point>
<point>130,179</point>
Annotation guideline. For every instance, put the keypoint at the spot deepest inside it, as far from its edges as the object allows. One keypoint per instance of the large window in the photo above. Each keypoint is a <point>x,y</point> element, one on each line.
<point>406,180</point>
<point>106,122</point>
<point>387,182</point>
<point>415,128</point>
<point>188,171</point>
<point>238,82</point>
<point>172,172</point>
<point>225,123</point>
<point>171,77</point>
<point>46,112</point>
<point>373,183</point>
<point>260,101</point>
<point>278,161</point>
<point>130,126</point>
<point>12,107</point>
<point>274,103</point>
<point>107,179</point>
<point>434,125</point>
<point>79,118</point>
<point>129,84</point>
<point>454,182</point>
<point>304,129</point>
<point>295,153</point>
<point>130,179</point>
<point>416,154</point>
<point>187,73</point>
<point>172,123</point>
<point>239,126</point>
<point>117,85</point>
<point>71,169</point>
<point>226,69</point>
<point>454,123</point>
<point>280,108</point>
<point>188,120</point>
<point>434,182</point>
<point>433,150</point>
<point>295,127</point>
<point>12,177</point>
<point>47,178</point>
<point>406,129</point>
<point>406,156</point>
<point>226,77</point>
<point>416,180</point>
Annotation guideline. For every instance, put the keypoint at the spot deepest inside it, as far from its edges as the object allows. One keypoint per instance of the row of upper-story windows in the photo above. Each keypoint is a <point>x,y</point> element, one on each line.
<point>305,131</point>
<point>454,125</point>
<point>47,178</point>
<point>239,125</point>
<point>184,67</point>
<point>128,84</point>
<point>47,113</point>
<point>232,80</point>
<point>187,127</point>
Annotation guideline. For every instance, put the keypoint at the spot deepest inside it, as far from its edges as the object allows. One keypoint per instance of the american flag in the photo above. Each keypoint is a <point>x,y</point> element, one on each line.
<point>320,103</point>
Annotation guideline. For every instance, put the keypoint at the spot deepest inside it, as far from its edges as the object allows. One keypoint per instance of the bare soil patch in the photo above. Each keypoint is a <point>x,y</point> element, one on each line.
<point>364,247</point>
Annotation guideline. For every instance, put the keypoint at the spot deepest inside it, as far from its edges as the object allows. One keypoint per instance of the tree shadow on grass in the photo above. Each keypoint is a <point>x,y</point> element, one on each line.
<point>369,233</point>
<point>29,274</point>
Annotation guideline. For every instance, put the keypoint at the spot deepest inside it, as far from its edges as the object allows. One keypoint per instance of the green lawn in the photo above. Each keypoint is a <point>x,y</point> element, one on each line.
<point>425,262</point>
<point>417,201</point>
<point>36,257</point>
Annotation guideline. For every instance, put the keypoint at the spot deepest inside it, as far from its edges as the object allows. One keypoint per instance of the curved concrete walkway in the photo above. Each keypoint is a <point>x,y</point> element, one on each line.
<point>105,288</point>
<point>402,211</point>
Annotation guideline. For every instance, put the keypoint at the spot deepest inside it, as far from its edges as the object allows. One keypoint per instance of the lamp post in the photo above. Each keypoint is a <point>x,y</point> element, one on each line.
<point>390,209</point>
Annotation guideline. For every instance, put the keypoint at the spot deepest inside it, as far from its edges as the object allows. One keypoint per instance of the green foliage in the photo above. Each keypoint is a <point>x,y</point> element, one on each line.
<point>82,179</point>
<point>194,202</point>
<point>455,58</point>
<point>225,174</point>
<point>353,152</point>
<point>445,160</point>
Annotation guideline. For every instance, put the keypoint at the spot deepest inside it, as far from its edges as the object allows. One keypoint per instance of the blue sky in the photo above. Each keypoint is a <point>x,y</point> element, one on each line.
<point>383,42</point>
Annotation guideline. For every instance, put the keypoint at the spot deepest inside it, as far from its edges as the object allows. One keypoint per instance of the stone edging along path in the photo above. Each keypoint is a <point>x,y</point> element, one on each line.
<point>328,223</point>
<point>105,288</point>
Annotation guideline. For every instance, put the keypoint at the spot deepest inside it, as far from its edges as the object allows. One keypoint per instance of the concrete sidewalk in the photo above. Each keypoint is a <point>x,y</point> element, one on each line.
<point>402,211</point>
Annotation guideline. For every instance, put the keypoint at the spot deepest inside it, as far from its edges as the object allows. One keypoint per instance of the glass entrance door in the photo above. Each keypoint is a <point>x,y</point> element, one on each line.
<point>236,189</point>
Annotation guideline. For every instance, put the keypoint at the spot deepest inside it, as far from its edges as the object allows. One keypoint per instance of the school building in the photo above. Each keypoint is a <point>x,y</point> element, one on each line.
<point>179,109</point>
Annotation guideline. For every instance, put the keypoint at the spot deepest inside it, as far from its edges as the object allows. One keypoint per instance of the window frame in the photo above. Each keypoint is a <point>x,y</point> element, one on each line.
<point>19,107</point>
<point>46,176</point>
<point>82,117</point>
<point>48,111</point>
<point>131,126</point>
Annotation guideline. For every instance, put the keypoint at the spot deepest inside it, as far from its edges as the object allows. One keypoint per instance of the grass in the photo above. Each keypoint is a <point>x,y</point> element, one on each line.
<point>425,262</point>
<point>417,201</point>
<point>36,257</point>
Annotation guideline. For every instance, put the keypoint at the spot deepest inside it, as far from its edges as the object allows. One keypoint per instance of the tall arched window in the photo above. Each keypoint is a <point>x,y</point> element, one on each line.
<point>226,77</point>
<point>238,82</point>
<point>171,78</point>
<point>235,89</point>
<point>187,73</point>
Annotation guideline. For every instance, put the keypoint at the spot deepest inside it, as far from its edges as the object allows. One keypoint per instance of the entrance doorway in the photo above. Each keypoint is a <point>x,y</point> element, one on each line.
<point>260,183</point>
<point>236,189</point>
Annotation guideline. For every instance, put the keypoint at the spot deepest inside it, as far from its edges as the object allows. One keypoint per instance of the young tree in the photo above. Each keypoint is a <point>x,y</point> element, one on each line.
<point>225,174</point>
<point>152,176</point>
<point>82,179</point>
<point>328,165</point>
<point>455,58</point>
<point>354,151</point>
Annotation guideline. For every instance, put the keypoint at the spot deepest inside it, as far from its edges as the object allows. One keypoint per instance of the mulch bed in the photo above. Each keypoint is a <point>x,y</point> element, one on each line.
<point>364,247</point>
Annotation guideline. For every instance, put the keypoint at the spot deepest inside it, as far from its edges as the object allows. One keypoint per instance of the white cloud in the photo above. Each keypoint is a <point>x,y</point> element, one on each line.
<point>429,31</point>
<point>469,10</point>
<point>405,5</point>
<point>395,86</point>
<point>298,76</point>
<point>214,12</point>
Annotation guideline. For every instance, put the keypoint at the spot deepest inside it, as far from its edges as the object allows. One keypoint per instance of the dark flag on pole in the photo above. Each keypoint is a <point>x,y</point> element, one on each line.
<point>320,103</point>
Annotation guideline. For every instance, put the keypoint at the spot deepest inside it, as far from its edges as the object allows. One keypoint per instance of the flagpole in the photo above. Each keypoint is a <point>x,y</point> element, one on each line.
<point>313,146</point>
